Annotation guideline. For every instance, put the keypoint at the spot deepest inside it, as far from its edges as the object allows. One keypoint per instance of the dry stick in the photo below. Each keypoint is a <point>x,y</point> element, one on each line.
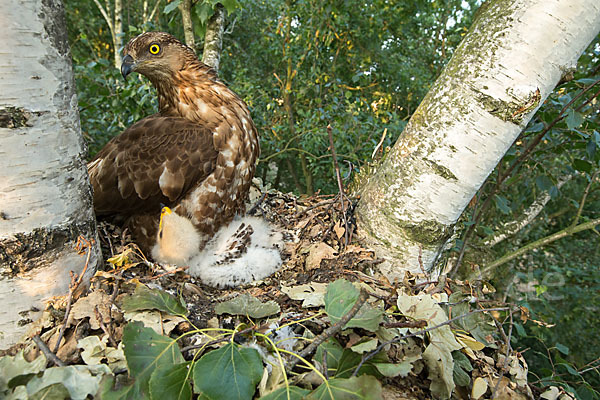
<point>584,198</point>
<point>81,244</point>
<point>217,341</point>
<point>323,203</point>
<point>339,182</point>
<point>372,354</point>
<point>112,340</point>
<point>329,332</point>
<point>517,162</point>
<point>257,204</point>
<point>49,355</point>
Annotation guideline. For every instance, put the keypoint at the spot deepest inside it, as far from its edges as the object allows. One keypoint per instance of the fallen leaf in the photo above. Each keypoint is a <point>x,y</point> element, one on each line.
<point>311,294</point>
<point>480,386</point>
<point>246,304</point>
<point>318,252</point>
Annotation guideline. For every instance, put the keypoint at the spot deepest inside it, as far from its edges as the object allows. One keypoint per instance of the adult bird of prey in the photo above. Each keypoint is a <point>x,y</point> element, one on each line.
<point>197,155</point>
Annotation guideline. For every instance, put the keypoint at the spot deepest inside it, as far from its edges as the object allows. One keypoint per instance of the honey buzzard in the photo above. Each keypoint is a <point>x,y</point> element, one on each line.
<point>197,155</point>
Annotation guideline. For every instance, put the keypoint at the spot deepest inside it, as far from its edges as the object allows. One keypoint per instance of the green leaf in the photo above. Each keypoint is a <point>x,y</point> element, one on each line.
<point>171,6</point>
<point>350,360</point>
<point>230,5</point>
<point>171,381</point>
<point>229,373</point>
<point>144,298</point>
<point>287,393</point>
<point>460,376</point>
<point>562,348</point>
<point>393,370</point>
<point>52,392</point>
<point>543,182</point>
<point>363,387</point>
<point>502,204</point>
<point>248,305</point>
<point>334,352</point>
<point>145,350</point>
<point>582,165</point>
<point>341,295</point>
<point>574,119</point>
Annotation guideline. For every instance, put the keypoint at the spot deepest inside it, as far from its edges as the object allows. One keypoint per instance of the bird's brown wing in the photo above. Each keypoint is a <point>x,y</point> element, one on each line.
<point>156,160</point>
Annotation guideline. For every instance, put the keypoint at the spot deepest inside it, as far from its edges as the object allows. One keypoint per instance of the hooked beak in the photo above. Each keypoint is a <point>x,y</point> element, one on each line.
<point>127,66</point>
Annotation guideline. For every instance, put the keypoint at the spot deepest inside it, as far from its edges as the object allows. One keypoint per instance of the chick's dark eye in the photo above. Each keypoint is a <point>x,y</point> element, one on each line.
<point>154,48</point>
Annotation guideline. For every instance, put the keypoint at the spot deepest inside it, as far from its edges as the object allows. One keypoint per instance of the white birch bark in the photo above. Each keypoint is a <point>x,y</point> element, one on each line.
<point>506,66</point>
<point>213,38</point>
<point>45,196</point>
<point>186,18</point>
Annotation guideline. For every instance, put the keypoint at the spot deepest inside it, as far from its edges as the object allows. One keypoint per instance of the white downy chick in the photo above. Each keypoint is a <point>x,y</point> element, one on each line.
<point>177,239</point>
<point>243,251</point>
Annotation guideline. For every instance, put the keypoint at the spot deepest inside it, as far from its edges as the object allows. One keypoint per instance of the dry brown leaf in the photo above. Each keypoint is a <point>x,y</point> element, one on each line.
<point>339,229</point>
<point>318,252</point>
<point>85,307</point>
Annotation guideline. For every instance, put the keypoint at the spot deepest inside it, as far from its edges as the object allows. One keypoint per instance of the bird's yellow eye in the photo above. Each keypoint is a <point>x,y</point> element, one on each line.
<point>154,48</point>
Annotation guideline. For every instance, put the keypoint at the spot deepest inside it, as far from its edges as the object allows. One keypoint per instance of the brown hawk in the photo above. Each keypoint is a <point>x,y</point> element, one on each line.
<point>197,155</point>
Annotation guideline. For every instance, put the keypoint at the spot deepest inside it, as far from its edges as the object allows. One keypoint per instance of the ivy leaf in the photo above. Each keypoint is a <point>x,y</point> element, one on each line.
<point>171,6</point>
<point>341,295</point>
<point>144,298</point>
<point>248,305</point>
<point>230,373</point>
<point>287,393</point>
<point>359,387</point>
<point>171,381</point>
<point>146,350</point>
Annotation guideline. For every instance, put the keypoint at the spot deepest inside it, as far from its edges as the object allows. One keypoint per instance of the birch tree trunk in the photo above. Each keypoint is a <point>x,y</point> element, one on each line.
<point>186,17</point>
<point>213,38</point>
<point>45,196</point>
<point>114,20</point>
<point>509,62</point>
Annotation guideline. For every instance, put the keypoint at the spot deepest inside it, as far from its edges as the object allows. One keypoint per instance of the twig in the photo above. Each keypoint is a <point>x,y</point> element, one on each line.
<point>339,182</point>
<point>257,204</point>
<point>584,198</point>
<point>82,243</point>
<point>323,203</point>
<point>372,354</point>
<point>49,354</point>
<point>508,348</point>
<point>329,332</point>
<point>217,341</point>
<point>112,340</point>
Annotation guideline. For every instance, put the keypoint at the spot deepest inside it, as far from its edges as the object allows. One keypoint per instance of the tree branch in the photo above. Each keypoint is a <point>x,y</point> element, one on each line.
<point>513,227</point>
<point>571,230</point>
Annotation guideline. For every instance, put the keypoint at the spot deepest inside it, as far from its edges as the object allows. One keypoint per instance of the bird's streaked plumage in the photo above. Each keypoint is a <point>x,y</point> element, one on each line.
<point>197,155</point>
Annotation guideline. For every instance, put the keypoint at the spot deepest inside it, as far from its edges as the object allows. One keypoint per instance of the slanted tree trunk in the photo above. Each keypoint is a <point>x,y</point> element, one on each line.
<point>213,38</point>
<point>45,196</point>
<point>506,66</point>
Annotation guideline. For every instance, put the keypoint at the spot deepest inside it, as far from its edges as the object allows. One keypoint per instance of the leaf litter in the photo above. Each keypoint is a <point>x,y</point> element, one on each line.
<point>143,332</point>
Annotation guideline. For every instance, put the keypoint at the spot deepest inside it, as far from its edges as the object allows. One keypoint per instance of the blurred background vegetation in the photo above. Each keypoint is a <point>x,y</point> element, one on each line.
<point>363,68</point>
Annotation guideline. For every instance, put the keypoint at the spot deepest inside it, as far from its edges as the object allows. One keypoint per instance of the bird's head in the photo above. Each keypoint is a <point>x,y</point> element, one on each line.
<point>157,55</point>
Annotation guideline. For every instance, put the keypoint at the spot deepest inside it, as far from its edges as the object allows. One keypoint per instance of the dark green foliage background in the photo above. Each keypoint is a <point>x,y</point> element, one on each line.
<point>363,67</point>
